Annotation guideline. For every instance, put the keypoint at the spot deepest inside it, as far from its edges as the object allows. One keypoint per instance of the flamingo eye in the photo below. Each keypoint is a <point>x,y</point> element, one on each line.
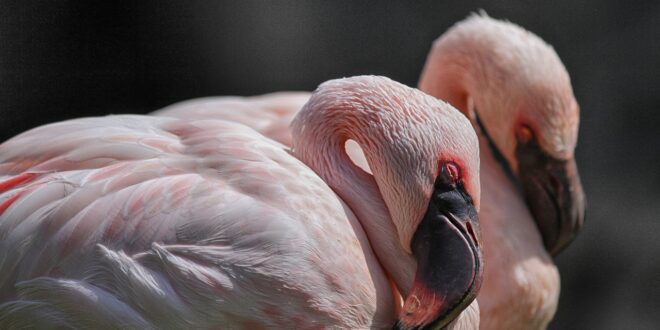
<point>524,134</point>
<point>449,173</point>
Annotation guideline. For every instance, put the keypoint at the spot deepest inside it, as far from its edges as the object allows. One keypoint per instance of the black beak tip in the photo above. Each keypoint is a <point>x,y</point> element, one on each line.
<point>554,194</point>
<point>568,231</point>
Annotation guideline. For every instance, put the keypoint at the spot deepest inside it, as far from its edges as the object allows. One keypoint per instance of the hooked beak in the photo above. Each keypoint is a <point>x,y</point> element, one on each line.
<point>449,262</point>
<point>554,194</point>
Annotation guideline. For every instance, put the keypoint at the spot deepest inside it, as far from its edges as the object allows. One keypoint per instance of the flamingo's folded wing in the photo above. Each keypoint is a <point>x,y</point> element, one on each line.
<point>171,220</point>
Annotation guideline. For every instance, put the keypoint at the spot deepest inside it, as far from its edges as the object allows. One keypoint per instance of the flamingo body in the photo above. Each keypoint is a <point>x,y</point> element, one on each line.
<point>205,211</point>
<point>163,222</point>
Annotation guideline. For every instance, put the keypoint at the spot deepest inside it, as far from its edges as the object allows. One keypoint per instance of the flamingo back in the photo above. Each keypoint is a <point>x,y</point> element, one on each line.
<point>155,222</point>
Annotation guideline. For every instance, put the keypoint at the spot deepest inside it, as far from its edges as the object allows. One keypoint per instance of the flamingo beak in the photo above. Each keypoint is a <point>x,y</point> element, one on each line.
<point>554,194</point>
<point>449,262</point>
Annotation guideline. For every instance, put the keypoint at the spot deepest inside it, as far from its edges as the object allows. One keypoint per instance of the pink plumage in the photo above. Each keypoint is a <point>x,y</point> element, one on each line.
<point>161,222</point>
<point>509,73</point>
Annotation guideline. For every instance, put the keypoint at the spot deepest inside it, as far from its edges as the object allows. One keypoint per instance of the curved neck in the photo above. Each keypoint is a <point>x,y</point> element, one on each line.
<point>458,71</point>
<point>319,136</point>
<point>445,76</point>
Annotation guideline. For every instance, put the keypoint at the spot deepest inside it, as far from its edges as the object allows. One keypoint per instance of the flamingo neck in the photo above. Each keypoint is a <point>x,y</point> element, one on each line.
<point>319,139</point>
<point>519,275</point>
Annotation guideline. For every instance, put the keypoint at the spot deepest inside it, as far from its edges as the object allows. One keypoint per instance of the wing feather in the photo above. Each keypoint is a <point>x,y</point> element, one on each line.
<point>175,222</point>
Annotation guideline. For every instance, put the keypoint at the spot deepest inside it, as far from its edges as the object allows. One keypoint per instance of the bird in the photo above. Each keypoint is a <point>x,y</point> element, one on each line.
<point>500,76</point>
<point>517,94</point>
<point>134,221</point>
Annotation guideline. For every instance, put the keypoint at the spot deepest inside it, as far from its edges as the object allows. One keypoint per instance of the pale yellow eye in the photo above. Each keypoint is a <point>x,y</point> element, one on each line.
<point>524,134</point>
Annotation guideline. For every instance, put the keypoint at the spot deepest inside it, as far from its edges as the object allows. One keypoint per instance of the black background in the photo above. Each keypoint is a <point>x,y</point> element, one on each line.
<point>68,59</point>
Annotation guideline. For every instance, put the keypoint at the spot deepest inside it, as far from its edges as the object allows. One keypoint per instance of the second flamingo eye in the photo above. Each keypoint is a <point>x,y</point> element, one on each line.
<point>525,134</point>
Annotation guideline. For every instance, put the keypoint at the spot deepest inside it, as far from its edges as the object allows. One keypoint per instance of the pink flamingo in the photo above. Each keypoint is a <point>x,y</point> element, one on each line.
<point>517,93</point>
<point>516,84</point>
<point>154,222</point>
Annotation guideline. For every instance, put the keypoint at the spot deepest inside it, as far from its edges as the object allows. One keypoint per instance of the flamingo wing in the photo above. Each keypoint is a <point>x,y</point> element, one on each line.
<point>155,222</point>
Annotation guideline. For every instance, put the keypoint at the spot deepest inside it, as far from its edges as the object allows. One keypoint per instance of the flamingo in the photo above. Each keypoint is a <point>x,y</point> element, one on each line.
<point>146,222</point>
<point>517,93</point>
<point>515,90</point>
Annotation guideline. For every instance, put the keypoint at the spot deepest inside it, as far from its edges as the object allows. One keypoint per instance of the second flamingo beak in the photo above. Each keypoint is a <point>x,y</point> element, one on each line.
<point>554,194</point>
<point>449,261</point>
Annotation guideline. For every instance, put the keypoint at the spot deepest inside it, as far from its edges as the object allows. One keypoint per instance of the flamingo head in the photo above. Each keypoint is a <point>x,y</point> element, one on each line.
<point>513,85</point>
<point>447,247</point>
<point>545,135</point>
<point>424,156</point>
<point>429,180</point>
<point>523,100</point>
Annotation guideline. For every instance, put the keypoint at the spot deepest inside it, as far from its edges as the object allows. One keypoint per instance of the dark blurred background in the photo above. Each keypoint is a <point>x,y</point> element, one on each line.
<point>65,59</point>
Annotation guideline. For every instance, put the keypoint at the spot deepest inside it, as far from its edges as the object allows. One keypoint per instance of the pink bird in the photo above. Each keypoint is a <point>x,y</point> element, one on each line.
<point>154,222</point>
<point>518,95</point>
<point>517,86</point>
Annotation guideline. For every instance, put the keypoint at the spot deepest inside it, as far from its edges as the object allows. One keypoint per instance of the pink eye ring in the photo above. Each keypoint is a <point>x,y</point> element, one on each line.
<point>449,171</point>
